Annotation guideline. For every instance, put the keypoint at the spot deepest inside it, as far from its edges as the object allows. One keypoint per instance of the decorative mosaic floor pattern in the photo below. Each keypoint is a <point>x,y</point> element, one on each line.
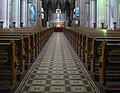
<point>57,70</point>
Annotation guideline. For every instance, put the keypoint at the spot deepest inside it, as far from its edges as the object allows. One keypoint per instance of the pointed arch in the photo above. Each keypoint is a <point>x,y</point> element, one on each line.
<point>49,9</point>
<point>54,5</point>
<point>62,5</point>
<point>67,8</point>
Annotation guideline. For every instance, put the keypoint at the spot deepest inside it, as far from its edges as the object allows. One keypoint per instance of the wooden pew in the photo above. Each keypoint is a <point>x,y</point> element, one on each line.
<point>109,66</point>
<point>90,41</point>
<point>95,67</point>
<point>87,43</point>
<point>8,65</point>
<point>27,44</point>
<point>20,52</point>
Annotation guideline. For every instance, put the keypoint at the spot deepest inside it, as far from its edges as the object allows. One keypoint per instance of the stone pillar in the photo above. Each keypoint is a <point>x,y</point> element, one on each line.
<point>15,12</point>
<point>87,6</point>
<point>40,13</point>
<point>92,14</point>
<point>101,12</point>
<point>115,13</point>
<point>108,14</point>
<point>28,13</point>
<point>8,14</point>
<point>37,4</point>
<point>82,12</point>
<point>112,13</point>
<point>71,15</point>
<point>118,24</point>
<point>24,13</point>
<point>4,13</point>
<point>45,17</point>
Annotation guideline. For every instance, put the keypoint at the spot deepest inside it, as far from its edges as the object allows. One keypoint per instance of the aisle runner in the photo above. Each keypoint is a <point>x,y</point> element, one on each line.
<point>58,71</point>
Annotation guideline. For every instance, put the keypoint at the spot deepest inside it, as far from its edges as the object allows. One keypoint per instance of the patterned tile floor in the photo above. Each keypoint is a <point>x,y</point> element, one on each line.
<point>57,70</point>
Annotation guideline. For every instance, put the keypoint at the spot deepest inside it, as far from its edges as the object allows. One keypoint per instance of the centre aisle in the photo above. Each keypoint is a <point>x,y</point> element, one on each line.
<point>57,70</point>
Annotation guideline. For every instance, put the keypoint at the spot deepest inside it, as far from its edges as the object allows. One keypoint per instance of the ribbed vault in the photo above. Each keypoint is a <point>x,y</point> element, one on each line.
<point>66,6</point>
<point>55,3</point>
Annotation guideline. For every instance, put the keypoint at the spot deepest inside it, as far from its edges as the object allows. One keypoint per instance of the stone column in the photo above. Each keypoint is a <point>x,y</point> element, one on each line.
<point>115,13</point>
<point>15,12</point>
<point>37,4</point>
<point>82,11</point>
<point>28,13</point>
<point>40,13</point>
<point>87,6</point>
<point>4,13</point>
<point>112,13</point>
<point>119,14</point>
<point>92,13</point>
<point>71,15</point>
<point>101,12</point>
<point>45,16</point>
<point>108,14</point>
<point>8,13</point>
<point>24,13</point>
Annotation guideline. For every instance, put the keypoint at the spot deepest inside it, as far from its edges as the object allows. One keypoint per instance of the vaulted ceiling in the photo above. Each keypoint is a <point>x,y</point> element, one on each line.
<point>53,4</point>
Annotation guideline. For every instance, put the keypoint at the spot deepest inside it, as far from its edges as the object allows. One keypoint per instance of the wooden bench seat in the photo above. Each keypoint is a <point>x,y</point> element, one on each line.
<point>96,59</point>
<point>9,74</point>
<point>20,52</point>
<point>23,43</point>
<point>106,48</point>
<point>88,44</point>
<point>28,42</point>
<point>5,87</point>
